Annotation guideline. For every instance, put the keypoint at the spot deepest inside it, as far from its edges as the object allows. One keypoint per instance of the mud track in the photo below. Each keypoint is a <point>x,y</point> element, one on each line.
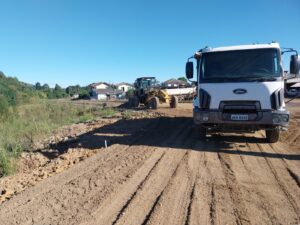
<point>162,174</point>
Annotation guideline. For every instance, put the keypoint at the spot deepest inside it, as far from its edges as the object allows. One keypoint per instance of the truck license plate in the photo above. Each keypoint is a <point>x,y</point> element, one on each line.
<point>239,117</point>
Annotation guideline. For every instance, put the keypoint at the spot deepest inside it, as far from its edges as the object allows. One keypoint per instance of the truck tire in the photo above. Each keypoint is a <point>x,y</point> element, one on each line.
<point>174,102</point>
<point>153,103</point>
<point>201,133</point>
<point>272,136</point>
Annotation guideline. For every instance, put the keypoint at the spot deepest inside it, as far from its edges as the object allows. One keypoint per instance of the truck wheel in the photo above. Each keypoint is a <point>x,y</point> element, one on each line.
<point>174,102</point>
<point>272,136</point>
<point>153,103</point>
<point>201,133</point>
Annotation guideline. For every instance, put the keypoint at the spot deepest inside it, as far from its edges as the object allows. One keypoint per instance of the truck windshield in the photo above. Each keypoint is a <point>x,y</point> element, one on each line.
<point>241,65</point>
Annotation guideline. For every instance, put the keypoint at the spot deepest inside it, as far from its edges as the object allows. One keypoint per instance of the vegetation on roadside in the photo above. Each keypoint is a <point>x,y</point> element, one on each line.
<point>127,115</point>
<point>26,116</point>
<point>22,126</point>
<point>107,112</point>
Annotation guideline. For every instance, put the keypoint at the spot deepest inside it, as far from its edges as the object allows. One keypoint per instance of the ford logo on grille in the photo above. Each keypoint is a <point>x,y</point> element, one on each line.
<point>239,91</point>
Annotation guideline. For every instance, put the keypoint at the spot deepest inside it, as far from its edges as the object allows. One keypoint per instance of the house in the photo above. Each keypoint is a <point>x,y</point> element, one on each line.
<point>106,94</point>
<point>174,83</point>
<point>100,85</point>
<point>124,87</point>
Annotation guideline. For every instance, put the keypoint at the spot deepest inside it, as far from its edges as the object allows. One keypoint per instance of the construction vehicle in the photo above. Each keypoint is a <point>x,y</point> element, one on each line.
<point>149,93</point>
<point>241,89</point>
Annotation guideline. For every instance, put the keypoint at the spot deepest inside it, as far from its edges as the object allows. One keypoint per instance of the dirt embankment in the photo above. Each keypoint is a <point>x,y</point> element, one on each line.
<point>155,171</point>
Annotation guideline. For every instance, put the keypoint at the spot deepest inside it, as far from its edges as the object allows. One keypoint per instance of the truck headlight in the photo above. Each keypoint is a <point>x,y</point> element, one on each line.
<point>284,118</point>
<point>205,117</point>
<point>276,119</point>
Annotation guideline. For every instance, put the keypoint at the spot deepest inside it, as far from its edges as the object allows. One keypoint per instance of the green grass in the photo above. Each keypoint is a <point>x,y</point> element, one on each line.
<point>107,112</point>
<point>23,125</point>
<point>8,165</point>
<point>127,115</point>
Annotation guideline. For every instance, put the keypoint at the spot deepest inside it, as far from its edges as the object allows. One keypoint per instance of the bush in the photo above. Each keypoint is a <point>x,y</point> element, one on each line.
<point>7,165</point>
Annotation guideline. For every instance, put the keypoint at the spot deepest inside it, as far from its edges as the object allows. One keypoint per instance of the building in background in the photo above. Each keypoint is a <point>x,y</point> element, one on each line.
<point>100,85</point>
<point>124,87</point>
<point>105,91</point>
<point>174,83</point>
<point>106,94</point>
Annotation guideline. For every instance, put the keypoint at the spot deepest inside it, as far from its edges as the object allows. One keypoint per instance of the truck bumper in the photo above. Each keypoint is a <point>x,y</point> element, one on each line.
<point>264,119</point>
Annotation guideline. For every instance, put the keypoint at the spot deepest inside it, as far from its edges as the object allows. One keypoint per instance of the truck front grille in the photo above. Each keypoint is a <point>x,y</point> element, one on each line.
<point>250,108</point>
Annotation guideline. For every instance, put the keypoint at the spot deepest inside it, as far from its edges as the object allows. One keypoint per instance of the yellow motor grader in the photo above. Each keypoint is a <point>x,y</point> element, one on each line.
<point>149,93</point>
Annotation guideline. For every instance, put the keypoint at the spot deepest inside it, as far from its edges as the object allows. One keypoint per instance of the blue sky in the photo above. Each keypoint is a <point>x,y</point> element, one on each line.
<point>83,41</point>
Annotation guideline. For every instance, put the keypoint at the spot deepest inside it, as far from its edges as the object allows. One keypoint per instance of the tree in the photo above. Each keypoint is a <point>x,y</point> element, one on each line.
<point>38,86</point>
<point>2,75</point>
<point>57,87</point>
<point>69,90</point>
<point>45,87</point>
<point>182,79</point>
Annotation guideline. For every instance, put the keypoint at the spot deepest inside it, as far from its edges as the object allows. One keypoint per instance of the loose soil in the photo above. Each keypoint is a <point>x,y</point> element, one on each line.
<point>155,171</point>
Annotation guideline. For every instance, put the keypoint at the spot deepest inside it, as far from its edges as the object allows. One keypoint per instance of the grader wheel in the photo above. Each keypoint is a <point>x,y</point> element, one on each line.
<point>136,102</point>
<point>133,102</point>
<point>174,102</point>
<point>153,103</point>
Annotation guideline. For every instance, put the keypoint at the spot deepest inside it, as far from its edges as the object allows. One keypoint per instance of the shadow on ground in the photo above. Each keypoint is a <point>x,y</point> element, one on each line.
<point>155,131</point>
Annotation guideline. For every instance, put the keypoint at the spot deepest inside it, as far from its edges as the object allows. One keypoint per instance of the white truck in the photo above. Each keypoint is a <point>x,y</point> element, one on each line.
<point>241,89</point>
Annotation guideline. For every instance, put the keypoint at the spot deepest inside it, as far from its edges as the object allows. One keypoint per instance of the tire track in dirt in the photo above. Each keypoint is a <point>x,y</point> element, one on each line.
<point>225,184</point>
<point>235,191</point>
<point>294,176</point>
<point>114,208</point>
<point>74,192</point>
<point>175,203</point>
<point>193,166</point>
<point>158,200</point>
<point>282,173</point>
<point>56,199</point>
<point>199,195</point>
<point>258,206</point>
<point>138,187</point>
<point>239,208</point>
<point>256,195</point>
<point>106,154</point>
<point>189,210</point>
<point>254,202</point>
<point>292,167</point>
<point>145,202</point>
<point>268,191</point>
<point>141,207</point>
<point>111,186</point>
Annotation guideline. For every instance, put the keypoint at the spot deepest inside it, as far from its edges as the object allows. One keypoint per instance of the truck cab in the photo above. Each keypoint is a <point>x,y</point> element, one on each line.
<point>240,89</point>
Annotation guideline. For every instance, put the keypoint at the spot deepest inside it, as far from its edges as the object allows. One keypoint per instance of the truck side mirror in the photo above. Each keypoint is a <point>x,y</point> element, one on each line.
<point>294,64</point>
<point>189,70</point>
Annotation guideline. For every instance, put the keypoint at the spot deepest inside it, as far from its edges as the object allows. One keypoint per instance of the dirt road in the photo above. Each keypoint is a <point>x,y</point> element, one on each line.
<point>156,172</point>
